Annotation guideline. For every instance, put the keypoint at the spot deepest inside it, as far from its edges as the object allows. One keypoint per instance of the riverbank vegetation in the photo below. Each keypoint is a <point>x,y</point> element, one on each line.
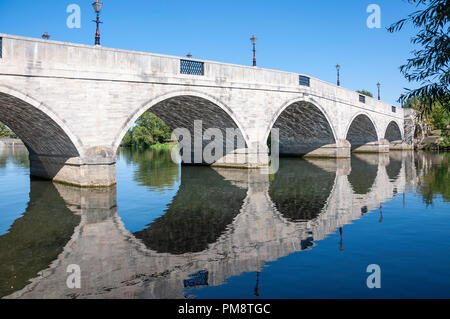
<point>428,68</point>
<point>436,122</point>
<point>149,131</point>
<point>5,132</point>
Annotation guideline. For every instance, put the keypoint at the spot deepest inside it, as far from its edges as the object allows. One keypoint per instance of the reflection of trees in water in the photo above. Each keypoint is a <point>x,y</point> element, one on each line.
<point>362,176</point>
<point>300,189</point>
<point>17,156</point>
<point>35,239</point>
<point>155,167</point>
<point>434,176</point>
<point>200,212</point>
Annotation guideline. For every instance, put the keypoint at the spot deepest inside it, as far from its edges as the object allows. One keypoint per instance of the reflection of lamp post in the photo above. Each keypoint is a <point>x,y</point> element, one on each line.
<point>254,39</point>
<point>341,242</point>
<point>257,285</point>
<point>46,36</point>
<point>97,5</point>
<point>379,95</point>
<point>381,213</point>
<point>338,68</point>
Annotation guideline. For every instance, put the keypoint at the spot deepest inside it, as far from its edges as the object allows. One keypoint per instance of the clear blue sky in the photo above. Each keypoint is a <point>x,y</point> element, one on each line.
<point>294,35</point>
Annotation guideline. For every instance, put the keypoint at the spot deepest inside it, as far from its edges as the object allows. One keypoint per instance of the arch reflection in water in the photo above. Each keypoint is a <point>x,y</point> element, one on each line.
<point>115,263</point>
<point>300,189</point>
<point>35,239</point>
<point>364,172</point>
<point>204,206</point>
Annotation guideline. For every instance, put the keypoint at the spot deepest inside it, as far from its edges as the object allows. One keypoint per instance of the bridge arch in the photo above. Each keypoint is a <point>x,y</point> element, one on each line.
<point>393,132</point>
<point>42,131</point>
<point>304,127</point>
<point>361,130</point>
<point>186,106</point>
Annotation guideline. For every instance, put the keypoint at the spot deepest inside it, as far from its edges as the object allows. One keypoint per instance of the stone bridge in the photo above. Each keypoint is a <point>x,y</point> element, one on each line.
<point>266,226</point>
<point>72,104</point>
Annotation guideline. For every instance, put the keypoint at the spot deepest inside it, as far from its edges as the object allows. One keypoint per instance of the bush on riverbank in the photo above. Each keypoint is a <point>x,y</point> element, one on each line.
<point>5,132</point>
<point>149,131</point>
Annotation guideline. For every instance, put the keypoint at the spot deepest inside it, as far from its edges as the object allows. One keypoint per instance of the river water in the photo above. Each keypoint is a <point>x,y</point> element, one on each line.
<point>165,231</point>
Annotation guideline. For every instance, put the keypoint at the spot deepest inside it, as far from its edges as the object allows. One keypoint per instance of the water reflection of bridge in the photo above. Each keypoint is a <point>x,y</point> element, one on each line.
<point>221,223</point>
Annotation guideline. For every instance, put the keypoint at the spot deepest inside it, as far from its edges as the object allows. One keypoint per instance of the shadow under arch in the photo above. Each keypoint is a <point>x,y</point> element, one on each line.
<point>180,109</point>
<point>361,131</point>
<point>303,126</point>
<point>363,174</point>
<point>35,239</point>
<point>300,189</point>
<point>199,214</point>
<point>393,132</point>
<point>36,125</point>
<point>43,133</point>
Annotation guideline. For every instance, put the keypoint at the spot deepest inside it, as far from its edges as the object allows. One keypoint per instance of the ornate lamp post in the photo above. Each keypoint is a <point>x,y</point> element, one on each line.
<point>46,36</point>
<point>379,95</point>
<point>254,39</point>
<point>97,5</point>
<point>338,68</point>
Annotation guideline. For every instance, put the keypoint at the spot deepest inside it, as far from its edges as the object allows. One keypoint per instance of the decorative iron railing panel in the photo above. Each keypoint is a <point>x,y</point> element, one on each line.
<point>1,47</point>
<point>303,80</point>
<point>362,99</point>
<point>192,67</point>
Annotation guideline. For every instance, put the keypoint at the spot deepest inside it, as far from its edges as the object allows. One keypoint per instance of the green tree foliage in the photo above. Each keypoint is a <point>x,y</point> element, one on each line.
<point>149,130</point>
<point>429,66</point>
<point>365,92</point>
<point>5,132</point>
<point>437,119</point>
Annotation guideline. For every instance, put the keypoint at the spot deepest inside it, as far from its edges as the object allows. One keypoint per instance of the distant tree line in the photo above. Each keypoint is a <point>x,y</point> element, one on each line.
<point>365,92</point>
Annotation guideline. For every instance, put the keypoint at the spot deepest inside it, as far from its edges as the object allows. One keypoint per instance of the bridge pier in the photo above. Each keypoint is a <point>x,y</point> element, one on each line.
<point>93,171</point>
<point>381,146</point>
<point>244,158</point>
<point>400,146</point>
<point>340,149</point>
